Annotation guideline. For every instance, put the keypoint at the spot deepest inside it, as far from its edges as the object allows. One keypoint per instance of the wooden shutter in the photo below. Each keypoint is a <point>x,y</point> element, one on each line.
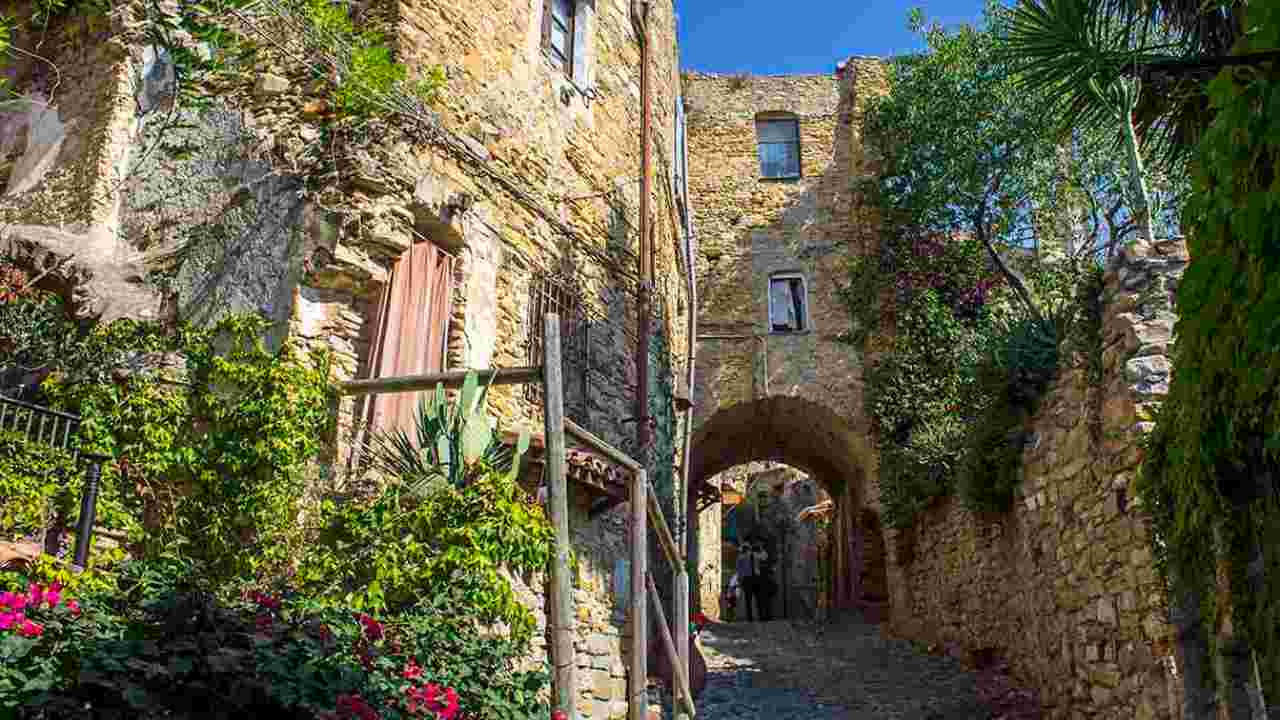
<point>413,319</point>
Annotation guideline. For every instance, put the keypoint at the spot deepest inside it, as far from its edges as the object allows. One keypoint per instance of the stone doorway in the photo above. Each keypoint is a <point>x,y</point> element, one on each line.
<point>782,439</point>
<point>772,497</point>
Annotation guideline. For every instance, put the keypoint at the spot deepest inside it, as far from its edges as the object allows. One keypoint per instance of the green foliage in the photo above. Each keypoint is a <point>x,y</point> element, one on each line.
<point>32,479</point>
<point>223,457</point>
<point>1217,451</point>
<point>172,651</point>
<point>966,355</point>
<point>443,552</point>
<point>454,442</point>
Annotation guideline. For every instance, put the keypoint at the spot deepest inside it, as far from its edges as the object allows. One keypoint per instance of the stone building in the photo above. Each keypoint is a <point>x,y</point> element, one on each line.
<point>1062,587</point>
<point>778,214</point>
<point>405,245</point>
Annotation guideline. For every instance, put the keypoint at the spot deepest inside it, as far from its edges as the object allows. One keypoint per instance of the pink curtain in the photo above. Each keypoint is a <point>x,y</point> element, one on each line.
<point>413,317</point>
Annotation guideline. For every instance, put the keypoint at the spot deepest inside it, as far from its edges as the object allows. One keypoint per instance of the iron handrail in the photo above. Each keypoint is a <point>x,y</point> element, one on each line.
<point>12,411</point>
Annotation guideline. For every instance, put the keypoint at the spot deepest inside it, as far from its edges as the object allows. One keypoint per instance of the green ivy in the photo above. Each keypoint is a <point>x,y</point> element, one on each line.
<point>1214,457</point>
<point>32,480</point>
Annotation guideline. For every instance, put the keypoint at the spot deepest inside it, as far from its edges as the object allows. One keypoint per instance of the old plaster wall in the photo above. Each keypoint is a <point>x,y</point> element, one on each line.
<point>1063,587</point>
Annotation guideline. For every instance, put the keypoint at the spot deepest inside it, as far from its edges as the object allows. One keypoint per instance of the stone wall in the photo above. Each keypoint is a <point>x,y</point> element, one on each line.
<point>1063,586</point>
<point>520,170</point>
<point>761,395</point>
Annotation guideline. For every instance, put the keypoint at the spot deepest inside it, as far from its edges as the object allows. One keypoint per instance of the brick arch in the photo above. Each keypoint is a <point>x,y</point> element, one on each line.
<point>804,434</point>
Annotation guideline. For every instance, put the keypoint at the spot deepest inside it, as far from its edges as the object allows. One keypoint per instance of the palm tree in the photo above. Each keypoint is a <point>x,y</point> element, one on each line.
<point>1146,64</point>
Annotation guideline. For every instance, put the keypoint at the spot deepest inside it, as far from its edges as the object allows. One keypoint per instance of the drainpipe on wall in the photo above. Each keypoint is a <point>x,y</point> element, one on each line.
<point>682,499</point>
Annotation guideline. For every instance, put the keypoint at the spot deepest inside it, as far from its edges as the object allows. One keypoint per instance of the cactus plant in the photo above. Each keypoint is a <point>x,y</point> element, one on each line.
<point>454,441</point>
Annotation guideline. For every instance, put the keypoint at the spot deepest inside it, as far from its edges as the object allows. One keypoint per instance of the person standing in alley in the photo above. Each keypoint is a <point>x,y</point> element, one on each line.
<point>745,568</point>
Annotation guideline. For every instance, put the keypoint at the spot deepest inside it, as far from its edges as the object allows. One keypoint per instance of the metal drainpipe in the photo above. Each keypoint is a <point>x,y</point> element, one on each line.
<point>764,352</point>
<point>683,539</point>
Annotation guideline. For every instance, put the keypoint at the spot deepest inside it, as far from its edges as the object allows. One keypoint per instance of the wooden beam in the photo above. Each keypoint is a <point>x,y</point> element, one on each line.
<point>450,380</point>
<point>683,696</point>
<point>637,691</point>
<point>596,443</point>
<point>562,652</point>
<point>664,533</point>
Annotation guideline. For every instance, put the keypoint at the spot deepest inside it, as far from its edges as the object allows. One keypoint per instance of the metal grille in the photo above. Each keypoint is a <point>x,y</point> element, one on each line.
<point>39,425</point>
<point>551,293</point>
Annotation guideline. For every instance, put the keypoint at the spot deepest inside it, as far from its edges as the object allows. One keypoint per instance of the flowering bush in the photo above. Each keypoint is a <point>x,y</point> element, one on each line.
<point>41,634</point>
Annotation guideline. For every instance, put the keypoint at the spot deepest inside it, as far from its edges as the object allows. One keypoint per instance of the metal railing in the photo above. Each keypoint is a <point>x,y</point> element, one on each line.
<point>45,426</point>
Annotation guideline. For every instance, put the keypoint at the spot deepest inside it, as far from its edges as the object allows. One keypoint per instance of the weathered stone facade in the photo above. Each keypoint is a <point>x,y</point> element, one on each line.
<point>793,397</point>
<point>521,171</point>
<point>1064,587</point>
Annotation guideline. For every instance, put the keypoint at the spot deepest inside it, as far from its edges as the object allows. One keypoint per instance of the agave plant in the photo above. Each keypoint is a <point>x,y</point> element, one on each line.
<point>454,441</point>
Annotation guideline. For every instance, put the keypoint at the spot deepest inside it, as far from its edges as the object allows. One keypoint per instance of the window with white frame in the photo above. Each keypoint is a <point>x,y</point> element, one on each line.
<point>559,20</point>
<point>778,141</point>
<point>788,304</point>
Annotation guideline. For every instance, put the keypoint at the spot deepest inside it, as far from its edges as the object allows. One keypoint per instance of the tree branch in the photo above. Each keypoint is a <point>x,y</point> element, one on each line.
<point>1015,280</point>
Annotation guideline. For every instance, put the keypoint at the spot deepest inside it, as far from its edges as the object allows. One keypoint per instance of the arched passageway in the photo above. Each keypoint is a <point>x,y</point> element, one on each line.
<point>806,435</point>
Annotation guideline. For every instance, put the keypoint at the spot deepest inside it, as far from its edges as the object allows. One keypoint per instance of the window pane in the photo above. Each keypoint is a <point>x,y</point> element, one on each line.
<point>562,10</point>
<point>559,42</point>
<point>779,160</point>
<point>782,314</point>
<point>777,130</point>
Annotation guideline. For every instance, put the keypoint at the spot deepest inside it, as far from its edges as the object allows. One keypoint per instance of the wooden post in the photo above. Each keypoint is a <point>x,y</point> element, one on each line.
<point>562,654</point>
<point>637,692</point>
<point>683,697</point>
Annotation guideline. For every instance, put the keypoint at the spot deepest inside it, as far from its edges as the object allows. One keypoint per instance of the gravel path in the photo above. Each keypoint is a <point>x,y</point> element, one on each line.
<point>788,670</point>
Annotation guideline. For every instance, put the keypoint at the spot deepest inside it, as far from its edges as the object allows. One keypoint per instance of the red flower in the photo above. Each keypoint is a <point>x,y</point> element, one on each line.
<point>264,624</point>
<point>74,607</point>
<point>559,715</point>
<point>355,706</point>
<point>434,699</point>
<point>372,628</point>
<point>412,671</point>
<point>30,629</point>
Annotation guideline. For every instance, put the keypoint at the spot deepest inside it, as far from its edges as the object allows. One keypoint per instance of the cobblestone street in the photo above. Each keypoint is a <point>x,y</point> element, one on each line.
<point>788,670</point>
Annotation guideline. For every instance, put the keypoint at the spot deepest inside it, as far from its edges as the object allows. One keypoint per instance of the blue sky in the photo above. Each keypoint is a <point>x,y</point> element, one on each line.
<point>801,36</point>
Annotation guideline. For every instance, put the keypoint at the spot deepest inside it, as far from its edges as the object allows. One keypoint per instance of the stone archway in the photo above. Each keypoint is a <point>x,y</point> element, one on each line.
<point>804,434</point>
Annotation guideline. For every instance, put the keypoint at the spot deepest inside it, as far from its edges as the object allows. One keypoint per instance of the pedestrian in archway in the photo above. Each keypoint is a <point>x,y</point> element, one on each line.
<point>745,568</point>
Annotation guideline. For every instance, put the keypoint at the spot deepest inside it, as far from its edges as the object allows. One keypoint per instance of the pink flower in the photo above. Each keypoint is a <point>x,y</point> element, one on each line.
<point>36,595</point>
<point>30,629</point>
<point>74,607</point>
<point>53,595</point>
<point>9,619</point>
<point>8,599</point>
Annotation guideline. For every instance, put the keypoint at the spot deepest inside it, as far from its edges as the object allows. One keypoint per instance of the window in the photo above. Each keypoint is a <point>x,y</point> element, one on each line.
<point>779,141</point>
<point>787,304</point>
<point>412,324</point>
<point>558,20</point>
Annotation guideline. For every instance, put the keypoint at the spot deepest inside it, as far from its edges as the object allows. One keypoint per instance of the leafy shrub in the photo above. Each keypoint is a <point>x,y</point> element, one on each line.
<point>32,478</point>
<point>43,633</point>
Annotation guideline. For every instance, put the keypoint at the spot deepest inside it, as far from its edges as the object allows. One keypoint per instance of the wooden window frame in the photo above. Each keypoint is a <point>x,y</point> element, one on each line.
<point>569,31</point>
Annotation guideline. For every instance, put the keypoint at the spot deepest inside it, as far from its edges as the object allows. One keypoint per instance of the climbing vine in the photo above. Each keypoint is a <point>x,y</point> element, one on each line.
<point>1212,462</point>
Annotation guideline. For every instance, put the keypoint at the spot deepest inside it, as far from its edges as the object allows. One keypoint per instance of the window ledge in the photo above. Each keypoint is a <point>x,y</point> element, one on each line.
<point>789,333</point>
<point>782,179</point>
